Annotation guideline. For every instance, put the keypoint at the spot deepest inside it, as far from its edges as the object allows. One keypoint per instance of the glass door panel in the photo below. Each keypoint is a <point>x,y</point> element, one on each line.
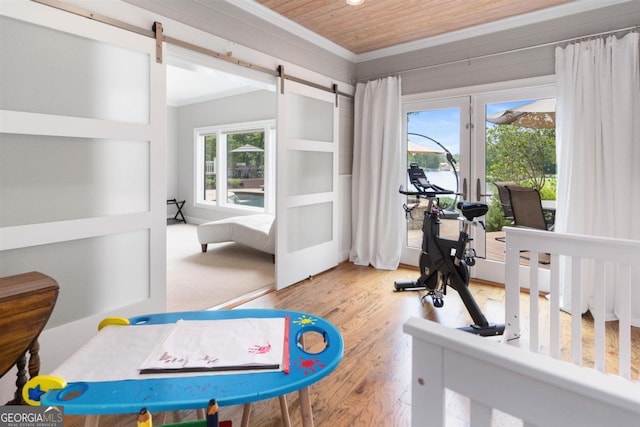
<point>436,134</point>
<point>517,129</point>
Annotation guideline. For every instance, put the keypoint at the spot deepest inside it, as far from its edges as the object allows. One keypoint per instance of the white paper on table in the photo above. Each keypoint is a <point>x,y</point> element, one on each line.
<point>213,345</point>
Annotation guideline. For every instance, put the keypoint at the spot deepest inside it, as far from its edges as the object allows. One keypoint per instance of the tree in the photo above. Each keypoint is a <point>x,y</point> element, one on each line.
<point>427,161</point>
<point>520,154</point>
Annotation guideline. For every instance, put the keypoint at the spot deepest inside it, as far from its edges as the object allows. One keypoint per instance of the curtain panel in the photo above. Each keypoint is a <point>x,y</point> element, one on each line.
<point>377,159</point>
<point>598,145</point>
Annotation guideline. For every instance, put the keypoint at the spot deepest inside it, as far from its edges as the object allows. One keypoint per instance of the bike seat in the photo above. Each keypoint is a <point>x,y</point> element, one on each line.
<point>472,210</point>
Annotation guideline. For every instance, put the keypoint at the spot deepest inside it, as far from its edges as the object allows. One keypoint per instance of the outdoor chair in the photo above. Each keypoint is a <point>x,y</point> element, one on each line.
<point>505,202</point>
<point>503,194</point>
<point>526,207</point>
<point>527,210</point>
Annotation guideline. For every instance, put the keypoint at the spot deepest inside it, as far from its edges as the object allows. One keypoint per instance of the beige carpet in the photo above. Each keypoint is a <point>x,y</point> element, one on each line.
<point>198,281</point>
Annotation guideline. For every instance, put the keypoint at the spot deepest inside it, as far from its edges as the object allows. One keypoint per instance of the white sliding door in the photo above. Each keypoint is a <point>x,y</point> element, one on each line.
<point>307,183</point>
<point>82,168</point>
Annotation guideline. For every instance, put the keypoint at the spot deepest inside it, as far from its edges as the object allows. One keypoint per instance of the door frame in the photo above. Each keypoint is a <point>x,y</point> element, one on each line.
<point>472,157</point>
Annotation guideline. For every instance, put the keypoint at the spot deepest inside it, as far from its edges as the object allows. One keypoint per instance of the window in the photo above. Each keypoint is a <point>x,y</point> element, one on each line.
<point>235,160</point>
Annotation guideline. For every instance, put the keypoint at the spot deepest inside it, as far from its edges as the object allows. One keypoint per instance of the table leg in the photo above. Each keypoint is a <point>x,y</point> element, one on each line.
<point>284,409</point>
<point>91,420</point>
<point>246,411</point>
<point>161,418</point>
<point>305,407</point>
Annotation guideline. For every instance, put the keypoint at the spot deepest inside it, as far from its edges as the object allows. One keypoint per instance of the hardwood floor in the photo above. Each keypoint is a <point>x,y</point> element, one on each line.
<point>372,384</point>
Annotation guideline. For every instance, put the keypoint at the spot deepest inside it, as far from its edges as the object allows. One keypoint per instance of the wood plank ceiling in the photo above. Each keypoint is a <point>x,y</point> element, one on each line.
<point>377,24</point>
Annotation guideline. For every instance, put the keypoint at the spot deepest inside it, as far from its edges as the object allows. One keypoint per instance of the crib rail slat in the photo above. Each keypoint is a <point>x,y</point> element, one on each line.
<point>624,334</point>
<point>512,294</point>
<point>554,324</point>
<point>606,264</point>
<point>534,308</point>
<point>599,341</point>
<point>576,321</point>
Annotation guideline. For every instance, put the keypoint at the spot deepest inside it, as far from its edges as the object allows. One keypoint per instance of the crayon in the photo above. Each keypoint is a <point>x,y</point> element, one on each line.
<point>144,418</point>
<point>212,413</point>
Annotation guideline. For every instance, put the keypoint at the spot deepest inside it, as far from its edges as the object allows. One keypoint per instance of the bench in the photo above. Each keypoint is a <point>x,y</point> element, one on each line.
<point>256,231</point>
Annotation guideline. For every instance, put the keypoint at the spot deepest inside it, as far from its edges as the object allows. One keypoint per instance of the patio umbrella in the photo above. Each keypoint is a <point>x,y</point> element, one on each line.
<point>414,147</point>
<point>247,148</point>
<point>537,114</point>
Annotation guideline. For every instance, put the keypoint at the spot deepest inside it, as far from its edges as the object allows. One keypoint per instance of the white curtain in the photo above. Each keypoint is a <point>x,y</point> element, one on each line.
<point>598,144</point>
<point>377,159</point>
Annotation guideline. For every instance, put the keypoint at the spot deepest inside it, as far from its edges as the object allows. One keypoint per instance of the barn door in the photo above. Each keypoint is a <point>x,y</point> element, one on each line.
<point>307,183</point>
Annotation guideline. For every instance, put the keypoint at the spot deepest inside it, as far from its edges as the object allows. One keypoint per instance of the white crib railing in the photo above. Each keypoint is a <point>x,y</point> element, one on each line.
<point>570,256</point>
<point>534,388</point>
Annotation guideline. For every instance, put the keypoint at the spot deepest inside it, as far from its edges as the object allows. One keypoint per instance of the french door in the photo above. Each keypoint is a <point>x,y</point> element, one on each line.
<point>437,135</point>
<point>435,131</point>
<point>485,169</point>
<point>306,183</point>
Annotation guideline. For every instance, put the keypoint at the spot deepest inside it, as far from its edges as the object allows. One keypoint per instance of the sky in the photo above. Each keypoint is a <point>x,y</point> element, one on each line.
<point>443,125</point>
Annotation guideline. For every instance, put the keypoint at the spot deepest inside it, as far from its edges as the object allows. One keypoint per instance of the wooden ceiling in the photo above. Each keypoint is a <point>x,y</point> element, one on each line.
<point>377,24</point>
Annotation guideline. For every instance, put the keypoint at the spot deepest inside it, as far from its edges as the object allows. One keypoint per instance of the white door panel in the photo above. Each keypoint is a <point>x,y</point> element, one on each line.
<point>307,183</point>
<point>82,174</point>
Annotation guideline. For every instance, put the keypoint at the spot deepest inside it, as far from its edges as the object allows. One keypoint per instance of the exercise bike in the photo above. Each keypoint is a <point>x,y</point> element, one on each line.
<point>445,262</point>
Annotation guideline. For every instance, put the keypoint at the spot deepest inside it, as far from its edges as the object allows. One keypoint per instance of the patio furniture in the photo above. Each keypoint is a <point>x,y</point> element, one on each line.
<point>505,202</point>
<point>527,209</point>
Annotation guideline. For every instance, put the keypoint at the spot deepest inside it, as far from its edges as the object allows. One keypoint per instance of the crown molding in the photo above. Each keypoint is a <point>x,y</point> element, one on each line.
<point>555,12</point>
<point>288,25</point>
<point>263,12</point>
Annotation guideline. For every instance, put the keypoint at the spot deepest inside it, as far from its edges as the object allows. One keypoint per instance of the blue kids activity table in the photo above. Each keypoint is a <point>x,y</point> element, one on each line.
<point>176,392</point>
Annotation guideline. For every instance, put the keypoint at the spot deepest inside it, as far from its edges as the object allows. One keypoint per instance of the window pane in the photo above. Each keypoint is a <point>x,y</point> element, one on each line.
<point>210,168</point>
<point>431,133</point>
<point>520,149</point>
<point>245,168</point>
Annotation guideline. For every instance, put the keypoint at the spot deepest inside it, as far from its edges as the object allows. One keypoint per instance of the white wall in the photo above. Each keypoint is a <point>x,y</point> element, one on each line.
<point>253,106</point>
<point>228,20</point>
<point>172,153</point>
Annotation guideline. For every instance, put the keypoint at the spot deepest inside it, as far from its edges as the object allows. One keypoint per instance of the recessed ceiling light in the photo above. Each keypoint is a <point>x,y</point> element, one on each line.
<point>355,2</point>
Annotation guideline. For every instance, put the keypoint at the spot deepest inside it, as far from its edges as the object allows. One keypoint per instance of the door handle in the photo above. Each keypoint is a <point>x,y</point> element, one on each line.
<point>479,190</point>
<point>464,189</point>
